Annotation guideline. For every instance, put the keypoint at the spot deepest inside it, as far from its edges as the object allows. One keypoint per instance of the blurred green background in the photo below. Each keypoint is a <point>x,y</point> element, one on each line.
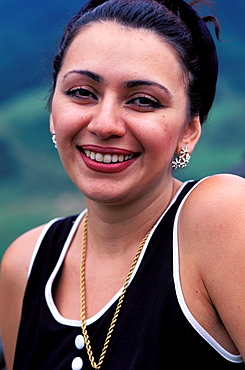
<point>33,185</point>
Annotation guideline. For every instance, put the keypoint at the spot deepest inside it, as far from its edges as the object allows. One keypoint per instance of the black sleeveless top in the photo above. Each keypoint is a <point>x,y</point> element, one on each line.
<point>152,331</point>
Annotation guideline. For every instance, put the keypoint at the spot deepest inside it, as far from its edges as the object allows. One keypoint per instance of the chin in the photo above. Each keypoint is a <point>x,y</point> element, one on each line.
<point>106,198</point>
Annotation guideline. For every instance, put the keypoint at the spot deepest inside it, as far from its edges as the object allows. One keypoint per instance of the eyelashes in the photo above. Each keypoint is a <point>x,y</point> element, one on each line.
<point>140,102</point>
<point>145,102</point>
<point>81,93</point>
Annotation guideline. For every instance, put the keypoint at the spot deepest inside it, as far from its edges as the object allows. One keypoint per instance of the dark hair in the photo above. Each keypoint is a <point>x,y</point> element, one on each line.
<point>175,21</point>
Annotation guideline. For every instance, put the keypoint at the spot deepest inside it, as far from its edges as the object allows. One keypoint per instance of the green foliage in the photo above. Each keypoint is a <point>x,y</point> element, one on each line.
<point>33,185</point>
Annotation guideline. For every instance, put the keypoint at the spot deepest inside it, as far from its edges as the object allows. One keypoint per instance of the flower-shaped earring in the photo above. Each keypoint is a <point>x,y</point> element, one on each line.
<point>183,159</point>
<point>54,141</point>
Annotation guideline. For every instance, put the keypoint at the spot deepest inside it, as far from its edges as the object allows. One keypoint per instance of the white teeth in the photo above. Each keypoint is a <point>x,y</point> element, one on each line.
<point>98,157</point>
<point>107,158</point>
<point>121,158</point>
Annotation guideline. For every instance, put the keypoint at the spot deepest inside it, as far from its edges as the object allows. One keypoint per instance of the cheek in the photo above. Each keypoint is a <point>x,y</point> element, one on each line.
<point>67,122</point>
<point>159,139</point>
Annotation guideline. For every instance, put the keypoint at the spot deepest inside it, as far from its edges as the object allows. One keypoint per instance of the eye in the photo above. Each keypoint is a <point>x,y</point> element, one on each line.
<point>82,94</point>
<point>144,103</point>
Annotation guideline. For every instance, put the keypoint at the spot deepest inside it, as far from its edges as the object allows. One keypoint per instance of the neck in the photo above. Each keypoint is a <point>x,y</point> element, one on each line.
<point>113,229</point>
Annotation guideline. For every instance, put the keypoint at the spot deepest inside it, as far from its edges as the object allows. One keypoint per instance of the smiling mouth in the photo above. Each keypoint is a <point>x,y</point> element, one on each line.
<point>106,157</point>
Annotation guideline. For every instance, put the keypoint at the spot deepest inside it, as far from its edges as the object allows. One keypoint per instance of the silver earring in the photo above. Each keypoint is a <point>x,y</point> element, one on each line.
<point>183,159</point>
<point>54,141</point>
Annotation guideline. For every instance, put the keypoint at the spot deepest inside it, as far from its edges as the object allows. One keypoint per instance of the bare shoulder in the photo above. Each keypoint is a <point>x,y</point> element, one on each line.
<point>15,264</point>
<point>213,217</point>
<point>17,257</point>
<point>217,200</point>
<point>13,279</point>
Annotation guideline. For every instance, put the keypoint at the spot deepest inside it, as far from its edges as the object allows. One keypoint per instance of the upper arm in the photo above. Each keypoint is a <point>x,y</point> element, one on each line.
<point>13,279</point>
<point>214,216</point>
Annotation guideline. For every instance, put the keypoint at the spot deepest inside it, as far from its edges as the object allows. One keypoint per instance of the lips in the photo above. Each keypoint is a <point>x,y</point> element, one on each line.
<point>106,159</point>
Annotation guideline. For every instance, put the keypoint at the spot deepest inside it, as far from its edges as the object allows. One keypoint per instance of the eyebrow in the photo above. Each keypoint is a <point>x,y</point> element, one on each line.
<point>135,83</point>
<point>93,76</point>
<point>128,85</point>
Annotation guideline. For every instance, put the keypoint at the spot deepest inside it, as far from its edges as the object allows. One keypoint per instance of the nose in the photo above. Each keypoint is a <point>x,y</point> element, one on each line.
<point>107,120</point>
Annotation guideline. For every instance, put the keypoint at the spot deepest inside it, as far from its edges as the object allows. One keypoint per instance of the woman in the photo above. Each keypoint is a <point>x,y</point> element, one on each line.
<point>133,82</point>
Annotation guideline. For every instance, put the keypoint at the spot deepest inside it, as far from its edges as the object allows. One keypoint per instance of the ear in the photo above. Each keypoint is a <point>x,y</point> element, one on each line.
<point>51,124</point>
<point>190,135</point>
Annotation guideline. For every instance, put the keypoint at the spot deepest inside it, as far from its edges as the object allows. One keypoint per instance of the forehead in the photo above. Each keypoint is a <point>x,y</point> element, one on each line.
<point>108,46</point>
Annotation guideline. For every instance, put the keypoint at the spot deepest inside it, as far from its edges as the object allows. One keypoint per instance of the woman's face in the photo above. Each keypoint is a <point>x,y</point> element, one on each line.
<point>119,112</point>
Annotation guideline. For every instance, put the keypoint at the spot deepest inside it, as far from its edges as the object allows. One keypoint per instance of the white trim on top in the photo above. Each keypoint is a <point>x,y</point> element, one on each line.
<point>39,242</point>
<point>176,271</point>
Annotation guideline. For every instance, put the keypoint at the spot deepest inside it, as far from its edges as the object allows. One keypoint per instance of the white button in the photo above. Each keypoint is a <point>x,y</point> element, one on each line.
<point>79,342</point>
<point>77,363</point>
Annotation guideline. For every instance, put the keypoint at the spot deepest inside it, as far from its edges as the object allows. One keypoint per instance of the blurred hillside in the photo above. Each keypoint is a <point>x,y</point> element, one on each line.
<point>33,184</point>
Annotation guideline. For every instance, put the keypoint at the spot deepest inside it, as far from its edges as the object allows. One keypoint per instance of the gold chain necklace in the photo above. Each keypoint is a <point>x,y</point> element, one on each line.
<point>82,299</point>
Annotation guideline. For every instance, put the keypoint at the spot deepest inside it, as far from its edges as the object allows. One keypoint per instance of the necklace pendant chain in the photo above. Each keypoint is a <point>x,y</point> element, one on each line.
<point>83,304</point>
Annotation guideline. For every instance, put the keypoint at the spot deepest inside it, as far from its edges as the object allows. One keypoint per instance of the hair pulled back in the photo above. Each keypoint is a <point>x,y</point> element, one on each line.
<point>177,23</point>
